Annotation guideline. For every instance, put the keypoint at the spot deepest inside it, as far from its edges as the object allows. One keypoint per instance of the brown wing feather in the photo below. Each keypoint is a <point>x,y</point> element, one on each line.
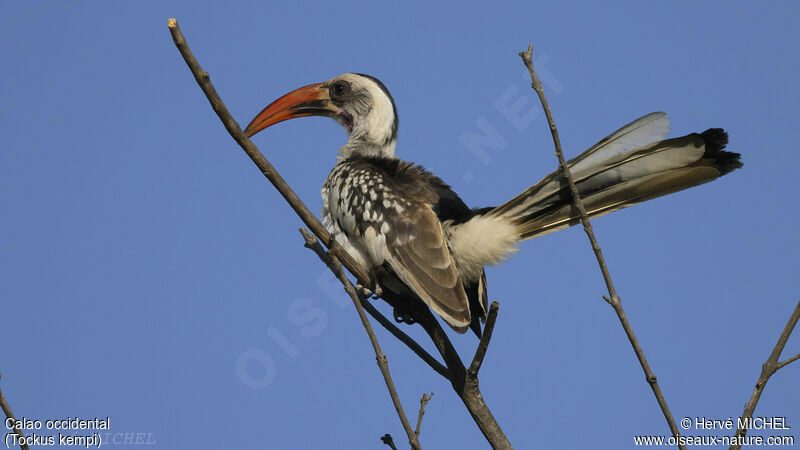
<point>419,256</point>
<point>393,202</point>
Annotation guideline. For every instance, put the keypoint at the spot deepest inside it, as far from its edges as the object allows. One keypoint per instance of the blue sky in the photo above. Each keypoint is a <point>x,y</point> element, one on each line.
<point>149,273</point>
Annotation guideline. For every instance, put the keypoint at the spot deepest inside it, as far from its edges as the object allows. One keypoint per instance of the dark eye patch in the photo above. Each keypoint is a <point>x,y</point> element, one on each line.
<point>340,88</point>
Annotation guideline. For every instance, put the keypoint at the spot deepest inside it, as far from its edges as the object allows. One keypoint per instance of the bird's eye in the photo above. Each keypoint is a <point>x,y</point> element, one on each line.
<point>340,88</point>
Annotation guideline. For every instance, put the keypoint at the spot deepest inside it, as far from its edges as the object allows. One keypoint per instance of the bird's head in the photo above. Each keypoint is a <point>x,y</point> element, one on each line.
<point>360,103</point>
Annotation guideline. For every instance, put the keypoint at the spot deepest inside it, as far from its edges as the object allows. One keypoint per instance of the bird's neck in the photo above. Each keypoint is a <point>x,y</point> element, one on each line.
<point>367,147</point>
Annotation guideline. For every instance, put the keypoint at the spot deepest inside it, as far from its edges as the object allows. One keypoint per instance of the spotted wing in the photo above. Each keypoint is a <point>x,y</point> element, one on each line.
<point>418,254</point>
<point>395,224</point>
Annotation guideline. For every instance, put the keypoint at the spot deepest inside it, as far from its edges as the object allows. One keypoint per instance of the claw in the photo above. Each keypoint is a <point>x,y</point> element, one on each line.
<point>362,290</point>
<point>375,294</point>
<point>378,292</point>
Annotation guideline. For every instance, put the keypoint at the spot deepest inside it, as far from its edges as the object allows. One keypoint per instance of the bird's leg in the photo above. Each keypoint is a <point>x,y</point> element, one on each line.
<point>376,292</point>
<point>376,275</point>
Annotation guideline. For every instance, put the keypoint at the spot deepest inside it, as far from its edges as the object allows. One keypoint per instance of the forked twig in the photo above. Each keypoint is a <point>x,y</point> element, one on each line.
<point>404,338</point>
<point>336,267</point>
<point>422,402</point>
<point>274,177</point>
<point>614,301</point>
<point>788,361</point>
<point>465,386</point>
<point>316,247</point>
<point>770,366</point>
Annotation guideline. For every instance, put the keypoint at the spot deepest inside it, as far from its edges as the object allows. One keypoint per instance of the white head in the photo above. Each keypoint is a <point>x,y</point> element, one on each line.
<point>360,103</point>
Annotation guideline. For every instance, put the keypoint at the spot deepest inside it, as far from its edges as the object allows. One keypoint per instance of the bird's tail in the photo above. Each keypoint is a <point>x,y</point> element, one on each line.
<point>630,166</point>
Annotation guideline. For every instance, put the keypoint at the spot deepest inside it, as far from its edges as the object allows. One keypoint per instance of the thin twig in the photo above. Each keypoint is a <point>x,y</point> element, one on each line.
<point>465,386</point>
<point>316,247</point>
<point>467,389</point>
<point>336,267</point>
<point>767,369</point>
<point>10,415</point>
<point>788,361</point>
<point>422,402</point>
<point>308,218</point>
<point>386,323</point>
<point>483,345</point>
<point>614,301</point>
<point>404,338</point>
<point>258,158</point>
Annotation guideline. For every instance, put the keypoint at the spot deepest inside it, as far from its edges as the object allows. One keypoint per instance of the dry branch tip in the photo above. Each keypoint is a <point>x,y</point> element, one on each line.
<point>536,84</point>
<point>387,439</point>
<point>339,257</point>
<point>422,402</point>
<point>483,345</point>
<point>770,366</point>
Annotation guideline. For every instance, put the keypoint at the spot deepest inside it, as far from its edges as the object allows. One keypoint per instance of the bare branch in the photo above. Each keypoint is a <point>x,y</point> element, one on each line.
<point>313,244</point>
<point>406,339</point>
<point>258,158</point>
<point>274,177</point>
<point>483,345</point>
<point>467,389</point>
<point>20,436</point>
<point>527,58</point>
<point>422,402</point>
<point>767,369</point>
<point>788,361</point>
<point>336,267</point>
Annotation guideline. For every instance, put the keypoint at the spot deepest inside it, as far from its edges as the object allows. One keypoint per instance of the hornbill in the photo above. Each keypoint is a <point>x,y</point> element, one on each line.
<point>420,241</point>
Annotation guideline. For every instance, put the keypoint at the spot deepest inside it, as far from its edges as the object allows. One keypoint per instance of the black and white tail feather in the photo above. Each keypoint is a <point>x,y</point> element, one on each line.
<point>630,166</point>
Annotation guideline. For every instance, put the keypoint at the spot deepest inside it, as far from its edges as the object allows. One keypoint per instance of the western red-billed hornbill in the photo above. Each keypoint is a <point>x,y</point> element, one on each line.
<point>418,239</point>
